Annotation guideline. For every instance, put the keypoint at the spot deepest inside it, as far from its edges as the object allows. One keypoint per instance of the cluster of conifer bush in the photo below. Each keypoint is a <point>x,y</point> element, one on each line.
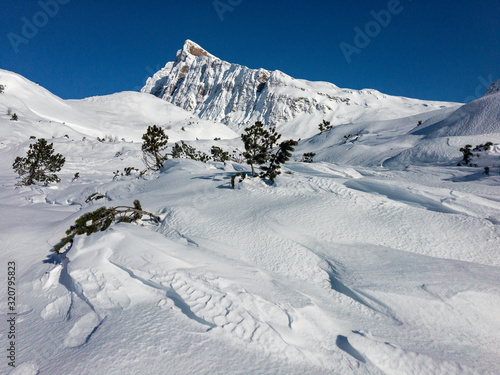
<point>470,155</point>
<point>263,152</point>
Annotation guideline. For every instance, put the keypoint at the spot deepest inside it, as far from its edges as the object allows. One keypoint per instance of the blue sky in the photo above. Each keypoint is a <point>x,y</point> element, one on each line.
<point>444,50</point>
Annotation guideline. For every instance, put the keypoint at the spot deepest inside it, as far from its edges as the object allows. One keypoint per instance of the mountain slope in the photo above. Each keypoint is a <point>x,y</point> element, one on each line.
<point>238,96</point>
<point>122,115</point>
<point>332,269</point>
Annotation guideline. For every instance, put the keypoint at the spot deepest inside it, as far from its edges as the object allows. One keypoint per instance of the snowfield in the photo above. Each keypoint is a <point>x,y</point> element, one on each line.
<point>375,259</point>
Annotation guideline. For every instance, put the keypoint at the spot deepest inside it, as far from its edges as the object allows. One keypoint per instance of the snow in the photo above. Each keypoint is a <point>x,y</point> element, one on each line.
<point>379,258</point>
<point>238,96</point>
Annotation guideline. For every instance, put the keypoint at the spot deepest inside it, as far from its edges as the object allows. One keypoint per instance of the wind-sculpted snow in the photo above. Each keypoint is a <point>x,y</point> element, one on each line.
<point>238,96</point>
<point>341,266</point>
<point>333,269</point>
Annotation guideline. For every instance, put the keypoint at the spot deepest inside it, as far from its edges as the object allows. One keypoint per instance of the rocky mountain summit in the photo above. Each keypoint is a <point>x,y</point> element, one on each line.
<point>238,96</point>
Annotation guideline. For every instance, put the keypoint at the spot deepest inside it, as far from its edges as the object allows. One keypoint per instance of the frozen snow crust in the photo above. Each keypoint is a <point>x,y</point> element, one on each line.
<point>342,266</point>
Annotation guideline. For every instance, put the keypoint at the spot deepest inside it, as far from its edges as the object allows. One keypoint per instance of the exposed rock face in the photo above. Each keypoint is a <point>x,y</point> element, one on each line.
<point>494,88</point>
<point>238,96</point>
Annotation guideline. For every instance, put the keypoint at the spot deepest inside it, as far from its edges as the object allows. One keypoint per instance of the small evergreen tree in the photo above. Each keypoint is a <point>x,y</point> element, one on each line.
<point>466,151</point>
<point>218,154</point>
<point>308,157</point>
<point>324,126</point>
<point>153,147</point>
<point>258,143</point>
<point>282,155</point>
<point>2,88</point>
<point>40,164</point>
<point>241,176</point>
<point>186,151</point>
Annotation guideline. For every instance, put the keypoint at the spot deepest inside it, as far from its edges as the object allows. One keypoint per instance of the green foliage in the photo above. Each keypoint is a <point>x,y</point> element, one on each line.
<point>14,117</point>
<point>218,154</point>
<point>40,164</point>
<point>350,137</point>
<point>324,126</point>
<point>185,151</point>
<point>127,171</point>
<point>258,143</point>
<point>100,220</point>
<point>281,156</point>
<point>468,153</point>
<point>153,147</point>
<point>308,157</point>
<point>241,176</point>
<point>485,147</point>
<point>96,196</point>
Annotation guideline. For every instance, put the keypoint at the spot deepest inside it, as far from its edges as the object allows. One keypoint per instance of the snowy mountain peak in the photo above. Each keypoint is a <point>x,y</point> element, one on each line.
<point>191,48</point>
<point>238,96</point>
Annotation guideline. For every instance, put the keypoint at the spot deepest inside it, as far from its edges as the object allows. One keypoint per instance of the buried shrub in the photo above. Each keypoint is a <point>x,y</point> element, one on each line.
<point>185,151</point>
<point>281,156</point>
<point>308,157</point>
<point>100,220</point>
<point>218,154</point>
<point>241,176</point>
<point>324,126</point>
<point>468,153</point>
<point>96,196</point>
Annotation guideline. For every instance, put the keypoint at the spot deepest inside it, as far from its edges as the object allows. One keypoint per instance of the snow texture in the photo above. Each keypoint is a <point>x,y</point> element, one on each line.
<point>381,257</point>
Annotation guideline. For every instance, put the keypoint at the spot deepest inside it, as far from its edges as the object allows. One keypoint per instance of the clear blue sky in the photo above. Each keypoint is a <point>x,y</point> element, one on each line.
<point>439,50</point>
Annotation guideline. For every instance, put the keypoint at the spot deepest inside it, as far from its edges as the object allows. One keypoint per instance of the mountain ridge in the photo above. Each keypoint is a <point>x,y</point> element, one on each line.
<point>237,96</point>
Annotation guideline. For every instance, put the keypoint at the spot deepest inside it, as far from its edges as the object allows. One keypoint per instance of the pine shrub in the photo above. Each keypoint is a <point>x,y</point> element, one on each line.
<point>218,154</point>
<point>308,157</point>
<point>258,143</point>
<point>153,147</point>
<point>282,155</point>
<point>100,220</point>
<point>40,164</point>
<point>324,126</point>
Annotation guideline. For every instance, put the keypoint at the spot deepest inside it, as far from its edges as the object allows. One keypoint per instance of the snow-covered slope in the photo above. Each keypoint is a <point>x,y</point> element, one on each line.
<point>334,269</point>
<point>428,138</point>
<point>238,96</point>
<point>481,116</point>
<point>123,115</point>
